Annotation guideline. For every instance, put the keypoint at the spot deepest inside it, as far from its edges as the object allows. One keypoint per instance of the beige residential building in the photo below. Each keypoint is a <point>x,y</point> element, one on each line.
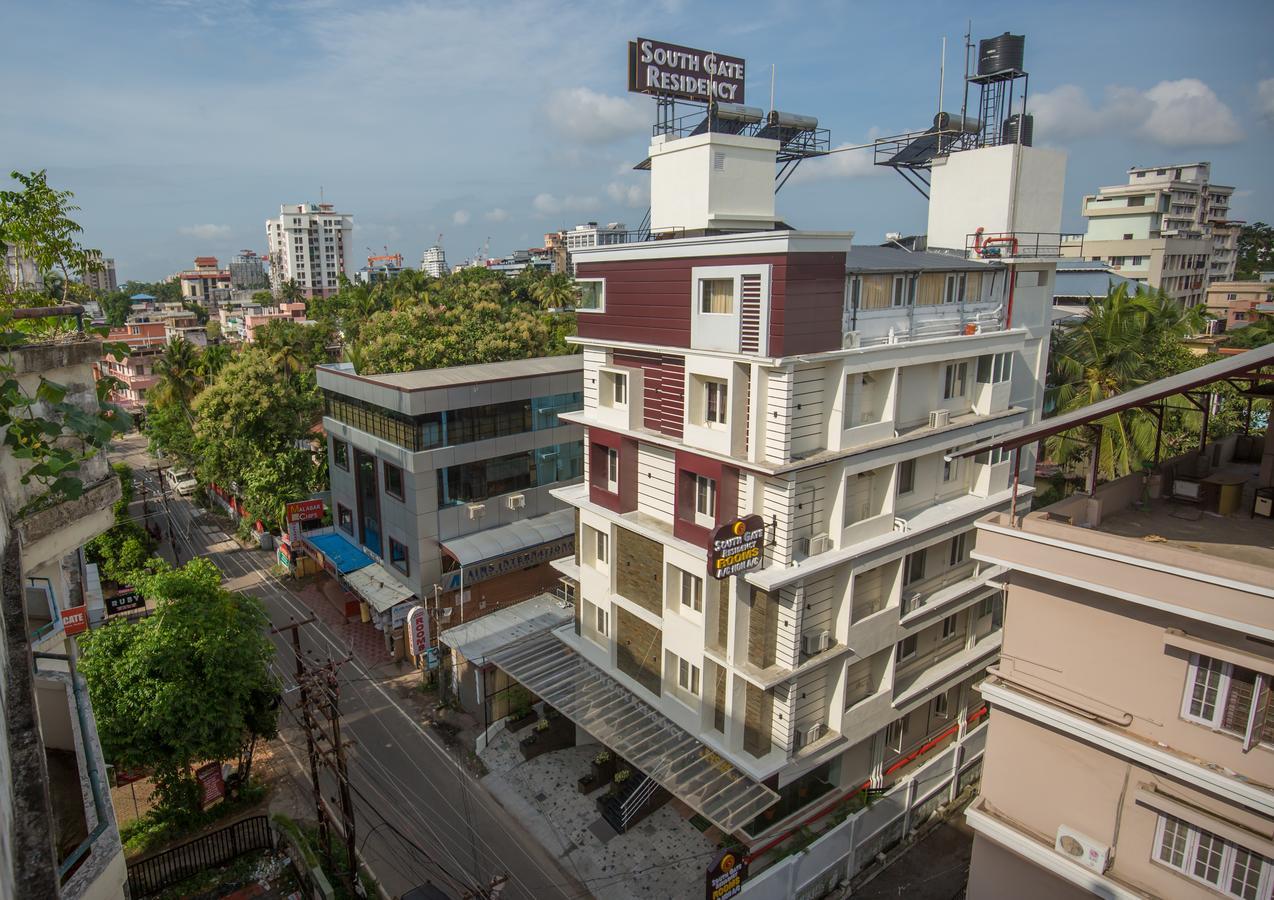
<point>1168,228</point>
<point>1131,744</point>
<point>1240,303</point>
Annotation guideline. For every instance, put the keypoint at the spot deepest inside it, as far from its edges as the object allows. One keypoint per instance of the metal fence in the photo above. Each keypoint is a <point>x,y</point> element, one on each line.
<point>152,875</point>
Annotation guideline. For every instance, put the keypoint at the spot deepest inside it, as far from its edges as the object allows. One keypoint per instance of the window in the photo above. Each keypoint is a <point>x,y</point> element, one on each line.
<point>942,706</point>
<point>1127,237</point>
<point>1221,696</point>
<point>1200,855</point>
<point>949,627</point>
<point>954,384</point>
<point>340,454</point>
<point>994,457</point>
<point>612,470</point>
<point>893,735</point>
<point>950,467</point>
<point>345,518</point>
<point>1117,260</point>
<point>602,545</point>
<point>393,481</point>
<point>688,677</point>
<point>603,621</point>
<point>906,649</point>
<point>592,294</point>
<point>1139,200</point>
<point>619,389</point>
<point>692,592</point>
<point>906,476</point>
<point>959,549</point>
<point>716,296</point>
<point>913,567</point>
<point>705,499</point>
<point>955,285</point>
<point>398,556</point>
<point>715,401</point>
<point>904,293</point>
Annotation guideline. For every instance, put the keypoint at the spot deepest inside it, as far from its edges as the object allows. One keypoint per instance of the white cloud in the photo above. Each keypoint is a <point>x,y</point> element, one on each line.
<point>634,195</point>
<point>1172,113</point>
<point>206,232</point>
<point>548,204</point>
<point>461,217</point>
<point>496,215</point>
<point>1265,99</point>
<point>583,115</point>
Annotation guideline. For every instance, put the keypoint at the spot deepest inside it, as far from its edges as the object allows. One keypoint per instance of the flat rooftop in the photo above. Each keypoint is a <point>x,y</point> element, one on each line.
<point>453,376</point>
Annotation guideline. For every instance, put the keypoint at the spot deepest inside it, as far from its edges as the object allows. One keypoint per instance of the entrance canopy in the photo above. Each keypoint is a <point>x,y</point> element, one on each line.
<point>342,554</point>
<point>378,586</point>
<point>504,540</point>
<point>684,766</point>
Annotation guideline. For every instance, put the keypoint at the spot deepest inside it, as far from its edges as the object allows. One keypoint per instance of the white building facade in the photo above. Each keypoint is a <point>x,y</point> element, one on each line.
<point>309,244</point>
<point>433,262</point>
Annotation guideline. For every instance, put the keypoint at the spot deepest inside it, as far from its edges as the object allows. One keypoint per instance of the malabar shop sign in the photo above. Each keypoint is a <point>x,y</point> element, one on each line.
<point>668,70</point>
<point>737,547</point>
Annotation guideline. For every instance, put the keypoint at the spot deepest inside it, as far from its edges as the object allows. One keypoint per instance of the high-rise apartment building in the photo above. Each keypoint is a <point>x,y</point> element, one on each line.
<point>309,244</point>
<point>247,272</point>
<point>1168,228</point>
<point>433,262</point>
<point>753,392</point>
<point>1131,744</point>
<point>103,279</point>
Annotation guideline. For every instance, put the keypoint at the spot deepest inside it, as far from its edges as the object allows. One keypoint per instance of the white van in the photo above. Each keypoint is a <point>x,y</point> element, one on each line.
<point>181,481</point>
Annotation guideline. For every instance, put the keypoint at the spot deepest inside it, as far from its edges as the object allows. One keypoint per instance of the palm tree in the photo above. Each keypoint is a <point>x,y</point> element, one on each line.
<point>1126,341</point>
<point>213,360</point>
<point>291,292</point>
<point>556,291</point>
<point>179,374</point>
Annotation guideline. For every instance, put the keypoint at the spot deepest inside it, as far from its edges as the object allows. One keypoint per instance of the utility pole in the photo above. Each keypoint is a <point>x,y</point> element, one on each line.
<point>302,680</point>
<point>342,774</point>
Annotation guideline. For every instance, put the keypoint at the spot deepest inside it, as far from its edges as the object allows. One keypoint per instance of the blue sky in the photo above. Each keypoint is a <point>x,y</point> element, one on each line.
<point>181,125</point>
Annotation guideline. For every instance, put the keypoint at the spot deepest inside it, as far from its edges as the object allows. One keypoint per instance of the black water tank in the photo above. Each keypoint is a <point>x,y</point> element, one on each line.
<point>1000,54</point>
<point>1026,123</point>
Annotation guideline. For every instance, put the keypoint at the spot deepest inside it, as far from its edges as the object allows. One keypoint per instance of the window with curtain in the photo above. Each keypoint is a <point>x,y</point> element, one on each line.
<point>716,296</point>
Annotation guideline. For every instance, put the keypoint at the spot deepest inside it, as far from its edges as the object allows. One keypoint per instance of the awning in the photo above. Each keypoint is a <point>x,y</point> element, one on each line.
<point>512,538</point>
<point>475,640</point>
<point>378,586</point>
<point>344,555</point>
<point>684,766</point>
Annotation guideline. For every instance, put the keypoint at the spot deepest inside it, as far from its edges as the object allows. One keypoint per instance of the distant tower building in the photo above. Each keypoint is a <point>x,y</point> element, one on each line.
<point>247,271</point>
<point>309,244</point>
<point>434,262</point>
<point>103,279</point>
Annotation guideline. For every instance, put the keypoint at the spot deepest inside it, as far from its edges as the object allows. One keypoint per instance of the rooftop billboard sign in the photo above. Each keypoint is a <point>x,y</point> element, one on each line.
<point>669,70</point>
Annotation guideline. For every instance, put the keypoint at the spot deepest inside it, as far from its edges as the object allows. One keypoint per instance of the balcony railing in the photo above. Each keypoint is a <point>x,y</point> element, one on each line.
<point>1019,244</point>
<point>928,328</point>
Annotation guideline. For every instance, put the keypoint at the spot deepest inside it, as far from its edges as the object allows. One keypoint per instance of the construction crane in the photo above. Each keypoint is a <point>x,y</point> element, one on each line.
<point>395,258</point>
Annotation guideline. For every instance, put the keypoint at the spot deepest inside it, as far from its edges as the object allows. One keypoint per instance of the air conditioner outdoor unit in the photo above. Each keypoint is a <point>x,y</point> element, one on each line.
<point>824,640</point>
<point>911,602</point>
<point>1082,849</point>
<point>850,340</point>
<point>810,642</point>
<point>813,733</point>
<point>517,501</point>
<point>477,511</point>
<point>820,543</point>
<point>939,418</point>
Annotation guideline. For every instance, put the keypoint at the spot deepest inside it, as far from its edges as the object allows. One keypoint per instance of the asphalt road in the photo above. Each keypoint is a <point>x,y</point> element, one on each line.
<point>420,817</point>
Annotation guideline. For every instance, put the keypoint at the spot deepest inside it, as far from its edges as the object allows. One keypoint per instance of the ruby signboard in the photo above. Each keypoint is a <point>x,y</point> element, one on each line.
<point>418,630</point>
<point>727,873</point>
<point>124,601</point>
<point>669,70</point>
<point>212,785</point>
<point>75,619</point>
<point>737,547</point>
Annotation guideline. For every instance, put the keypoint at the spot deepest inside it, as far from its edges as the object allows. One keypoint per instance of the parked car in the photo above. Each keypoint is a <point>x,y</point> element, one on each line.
<point>181,481</point>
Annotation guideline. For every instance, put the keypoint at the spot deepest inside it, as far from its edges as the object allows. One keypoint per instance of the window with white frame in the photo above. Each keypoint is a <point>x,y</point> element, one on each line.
<point>716,296</point>
<point>602,546</point>
<point>894,732</point>
<point>1229,698</point>
<point>1221,864</point>
<point>592,294</point>
<point>906,476</point>
<point>691,591</point>
<point>906,649</point>
<point>959,549</point>
<point>986,607</point>
<point>913,568</point>
<point>705,500</point>
<point>904,292</point>
<point>994,456</point>
<point>618,388</point>
<point>687,676</point>
<point>954,381</point>
<point>949,626</point>
<point>942,705</point>
<point>994,368</point>
<point>715,401</point>
<point>612,470</point>
<point>950,467</point>
<point>603,620</point>
<point>955,285</point>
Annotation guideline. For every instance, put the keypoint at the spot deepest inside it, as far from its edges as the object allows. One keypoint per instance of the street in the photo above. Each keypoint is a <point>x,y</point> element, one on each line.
<point>420,816</point>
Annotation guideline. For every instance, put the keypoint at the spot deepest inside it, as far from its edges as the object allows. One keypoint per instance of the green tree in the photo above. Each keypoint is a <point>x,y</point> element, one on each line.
<point>1126,341</point>
<point>1249,337</point>
<point>556,291</point>
<point>1255,250</point>
<point>263,298</point>
<point>212,360</point>
<point>189,684</point>
<point>294,347</point>
<point>116,307</point>
<point>36,220</point>
<point>179,374</point>
<point>291,292</point>
<point>170,430</point>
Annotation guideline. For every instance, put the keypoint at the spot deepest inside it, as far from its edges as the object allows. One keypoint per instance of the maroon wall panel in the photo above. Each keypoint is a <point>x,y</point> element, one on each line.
<point>598,442</point>
<point>663,389</point>
<point>805,313</point>
<point>689,465</point>
<point>647,302</point>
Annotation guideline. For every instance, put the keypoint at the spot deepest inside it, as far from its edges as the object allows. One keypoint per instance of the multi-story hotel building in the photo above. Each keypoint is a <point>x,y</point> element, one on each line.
<point>752,370</point>
<point>1131,744</point>
<point>309,244</point>
<point>207,283</point>
<point>1168,228</point>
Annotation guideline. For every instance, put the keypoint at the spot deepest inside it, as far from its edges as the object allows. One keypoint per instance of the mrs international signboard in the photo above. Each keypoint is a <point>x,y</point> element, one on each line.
<point>669,70</point>
<point>737,547</point>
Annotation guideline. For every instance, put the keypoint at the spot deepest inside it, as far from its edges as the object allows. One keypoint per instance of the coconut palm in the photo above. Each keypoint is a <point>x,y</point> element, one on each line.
<point>556,291</point>
<point>179,374</point>
<point>213,360</point>
<point>1126,341</point>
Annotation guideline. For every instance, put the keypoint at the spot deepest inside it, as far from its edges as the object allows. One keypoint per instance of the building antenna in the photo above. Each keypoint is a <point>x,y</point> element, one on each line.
<point>968,45</point>
<point>320,195</point>
<point>771,87</point>
<point>942,74</point>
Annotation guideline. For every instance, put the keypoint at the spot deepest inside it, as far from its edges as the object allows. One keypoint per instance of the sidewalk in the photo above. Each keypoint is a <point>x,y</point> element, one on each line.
<point>326,600</point>
<point>935,868</point>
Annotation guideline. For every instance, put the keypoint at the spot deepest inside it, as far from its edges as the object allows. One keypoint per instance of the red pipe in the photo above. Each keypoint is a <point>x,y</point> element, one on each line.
<point>853,792</point>
<point>1008,313</point>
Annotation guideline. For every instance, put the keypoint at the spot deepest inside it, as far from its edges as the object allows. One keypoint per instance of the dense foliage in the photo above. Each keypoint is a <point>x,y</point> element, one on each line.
<point>124,548</point>
<point>188,684</point>
<point>1256,251</point>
